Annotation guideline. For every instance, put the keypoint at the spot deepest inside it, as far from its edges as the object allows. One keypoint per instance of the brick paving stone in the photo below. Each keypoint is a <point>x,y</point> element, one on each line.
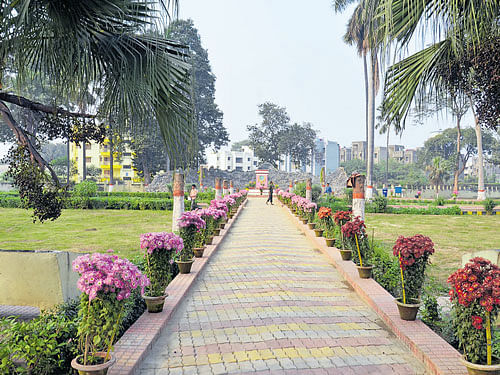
<point>269,303</point>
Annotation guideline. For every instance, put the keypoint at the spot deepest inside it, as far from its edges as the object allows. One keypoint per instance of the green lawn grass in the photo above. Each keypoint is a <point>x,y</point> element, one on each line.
<point>452,236</point>
<point>81,230</point>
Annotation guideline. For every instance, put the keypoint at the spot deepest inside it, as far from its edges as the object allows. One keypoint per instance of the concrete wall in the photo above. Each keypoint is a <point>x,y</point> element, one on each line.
<point>37,278</point>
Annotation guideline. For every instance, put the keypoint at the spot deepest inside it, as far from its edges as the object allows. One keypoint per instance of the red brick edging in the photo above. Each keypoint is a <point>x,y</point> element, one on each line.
<point>439,357</point>
<point>138,340</point>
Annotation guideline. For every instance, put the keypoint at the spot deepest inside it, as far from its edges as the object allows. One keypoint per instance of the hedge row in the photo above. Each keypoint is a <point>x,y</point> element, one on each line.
<point>110,203</point>
<point>203,196</point>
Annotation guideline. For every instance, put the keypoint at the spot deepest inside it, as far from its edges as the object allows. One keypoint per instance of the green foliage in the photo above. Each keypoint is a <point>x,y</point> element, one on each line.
<point>380,204</point>
<point>188,235</point>
<point>471,340</point>
<point>36,189</point>
<point>348,196</point>
<point>82,194</point>
<point>42,346</point>
<point>159,271</point>
<point>439,201</point>
<point>453,210</point>
<point>386,269</point>
<point>489,205</point>
<point>300,189</point>
<point>430,312</point>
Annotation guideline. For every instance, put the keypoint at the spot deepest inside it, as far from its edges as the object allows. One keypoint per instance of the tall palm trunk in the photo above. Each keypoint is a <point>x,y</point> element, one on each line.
<point>68,163</point>
<point>387,156</point>
<point>84,162</point>
<point>365,70</point>
<point>481,192</point>
<point>459,146</point>
<point>371,123</point>
<point>111,176</point>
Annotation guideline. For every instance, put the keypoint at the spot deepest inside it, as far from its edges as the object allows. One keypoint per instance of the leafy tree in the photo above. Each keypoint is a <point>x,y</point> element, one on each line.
<point>444,145</point>
<point>265,137</point>
<point>149,155</point>
<point>211,130</point>
<point>84,44</point>
<point>438,172</point>
<point>238,146</point>
<point>298,141</point>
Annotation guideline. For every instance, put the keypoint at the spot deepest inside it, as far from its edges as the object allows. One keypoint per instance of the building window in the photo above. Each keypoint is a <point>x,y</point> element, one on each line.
<point>106,173</point>
<point>255,163</point>
<point>127,178</point>
<point>127,154</point>
<point>248,168</point>
<point>239,168</point>
<point>88,146</point>
<point>239,160</point>
<point>106,160</point>
<point>88,160</point>
<point>228,168</point>
<point>229,158</point>
<point>126,167</point>
<point>248,159</point>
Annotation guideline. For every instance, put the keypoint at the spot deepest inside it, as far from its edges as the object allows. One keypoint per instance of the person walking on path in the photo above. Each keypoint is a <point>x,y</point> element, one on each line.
<point>192,197</point>
<point>328,189</point>
<point>270,198</point>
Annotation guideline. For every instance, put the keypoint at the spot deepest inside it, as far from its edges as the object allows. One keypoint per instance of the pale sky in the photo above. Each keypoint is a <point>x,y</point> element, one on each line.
<point>289,52</point>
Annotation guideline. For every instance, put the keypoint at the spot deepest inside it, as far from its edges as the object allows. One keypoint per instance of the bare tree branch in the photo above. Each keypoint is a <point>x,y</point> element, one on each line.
<point>24,140</point>
<point>35,106</point>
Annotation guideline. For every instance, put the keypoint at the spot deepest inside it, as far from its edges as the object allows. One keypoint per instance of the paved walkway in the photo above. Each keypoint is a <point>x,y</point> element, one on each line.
<point>268,303</point>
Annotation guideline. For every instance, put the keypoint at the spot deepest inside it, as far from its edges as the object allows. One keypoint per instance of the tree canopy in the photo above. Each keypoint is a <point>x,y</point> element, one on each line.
<point>112,48</point>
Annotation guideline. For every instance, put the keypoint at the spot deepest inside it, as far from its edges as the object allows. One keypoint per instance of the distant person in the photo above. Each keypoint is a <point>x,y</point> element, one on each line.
<point>419,193</point>
<point>270,198</point>
<point>328,189</point>
<point>192,197</point>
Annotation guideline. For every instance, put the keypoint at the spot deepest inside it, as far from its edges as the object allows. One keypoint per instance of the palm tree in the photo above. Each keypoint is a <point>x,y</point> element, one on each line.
<point>459,29</point>
<point>361,31</point>
<point>101,45</point>
<point>438,172</point>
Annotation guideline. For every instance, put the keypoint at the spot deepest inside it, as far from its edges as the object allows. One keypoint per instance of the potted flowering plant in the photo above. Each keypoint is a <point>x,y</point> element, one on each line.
<point>160,250</point>
<point>340,218</point>
<point>190,223</point>
<point>354,234</point>
<point>105,282</point>
<point>475,294</point>
<point>325,217</point>
<point>413,254</point>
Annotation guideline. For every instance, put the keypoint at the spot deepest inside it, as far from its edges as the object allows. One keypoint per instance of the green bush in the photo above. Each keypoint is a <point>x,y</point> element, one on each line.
<point>439,201</point>
<point>380,204</point>
<point>386,270</point>
<point>348,196</point>
<point>489,205</point>
<point>82,193</point>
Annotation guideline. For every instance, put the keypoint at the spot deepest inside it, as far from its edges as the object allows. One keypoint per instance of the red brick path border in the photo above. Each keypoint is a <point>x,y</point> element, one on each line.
<point>439,357</point>
<point>138,340</point>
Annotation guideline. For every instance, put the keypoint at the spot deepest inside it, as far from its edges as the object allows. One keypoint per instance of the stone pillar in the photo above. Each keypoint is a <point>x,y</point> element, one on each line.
<point>231,187</point>
<point>290,187</point>
<point>218,190</point>
<point>201,178</point>
<point>225,188</point>
<point>323,188</point>
<point>309,193</point>
<point>178,193</point>
<point>358,195</point>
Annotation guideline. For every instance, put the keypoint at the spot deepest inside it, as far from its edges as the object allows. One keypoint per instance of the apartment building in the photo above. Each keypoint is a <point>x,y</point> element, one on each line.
<point>98,156</point>
<point>244,160</point>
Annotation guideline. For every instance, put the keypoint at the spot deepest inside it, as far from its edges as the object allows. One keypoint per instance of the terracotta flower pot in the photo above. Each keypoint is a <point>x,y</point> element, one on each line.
<point>318,232</point>
<point>311,225</point>
<point>155,304</point>
<point>184,266</point>
<point>330,242</point>
<point>100,369</point>
<point>217,232</point>
<point>198,251</point>
<point>304,220</point>
<point>365,272</point>
<point>209,240</point>
<point>222,225</point>
<point>474,369</point>
<point>345,254</point>
<point>408,310</point>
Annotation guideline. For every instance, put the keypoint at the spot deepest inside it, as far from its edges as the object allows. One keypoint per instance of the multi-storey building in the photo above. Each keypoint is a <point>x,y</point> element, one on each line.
<point>358,150</point>
<point>98,156</point>
<point>379,155</point>
<point>327,155</point>
<point>243,160</point>
<point>345,154</point>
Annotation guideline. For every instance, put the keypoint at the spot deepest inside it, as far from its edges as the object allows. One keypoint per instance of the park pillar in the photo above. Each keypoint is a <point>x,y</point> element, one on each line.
<point>357,182</point>
<point>218,189</point>
<point>290,187</point>
<point>225,188</point>
<point>323,188</point>
<point>178,193</point>
<point>201,178</point>
<point>309,190</point>
<point>231,187</point>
